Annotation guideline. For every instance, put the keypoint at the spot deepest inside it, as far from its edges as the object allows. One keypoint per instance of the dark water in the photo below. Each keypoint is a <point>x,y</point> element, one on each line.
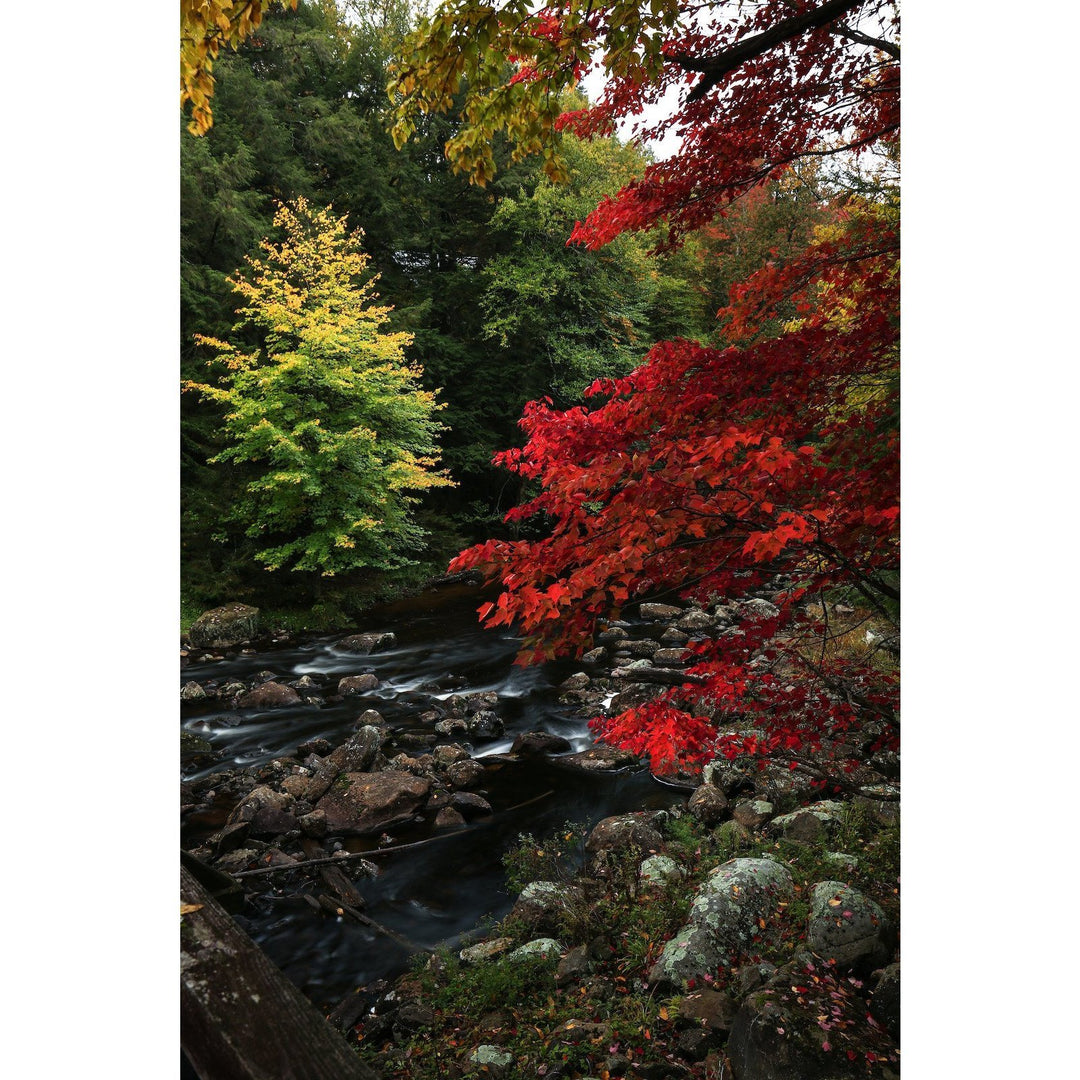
<point>439,892</point>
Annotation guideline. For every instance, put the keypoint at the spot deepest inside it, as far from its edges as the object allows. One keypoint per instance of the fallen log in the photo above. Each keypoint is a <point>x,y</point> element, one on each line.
<point>240,1018</point>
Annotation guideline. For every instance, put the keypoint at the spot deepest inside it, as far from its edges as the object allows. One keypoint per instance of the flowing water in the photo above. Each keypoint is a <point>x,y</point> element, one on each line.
<point>441,891</point>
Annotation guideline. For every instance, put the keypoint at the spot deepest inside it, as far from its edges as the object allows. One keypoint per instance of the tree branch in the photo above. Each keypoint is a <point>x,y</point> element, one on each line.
<point>714,68</point>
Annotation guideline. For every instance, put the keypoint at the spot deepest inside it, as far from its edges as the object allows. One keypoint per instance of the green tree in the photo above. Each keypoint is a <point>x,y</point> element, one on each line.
<point>326,413</point>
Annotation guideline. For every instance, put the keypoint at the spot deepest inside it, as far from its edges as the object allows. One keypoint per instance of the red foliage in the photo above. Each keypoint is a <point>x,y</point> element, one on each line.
<point>711,472</point>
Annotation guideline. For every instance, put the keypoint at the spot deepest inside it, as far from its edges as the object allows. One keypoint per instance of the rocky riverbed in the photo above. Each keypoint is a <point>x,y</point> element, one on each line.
<point>719,920</point>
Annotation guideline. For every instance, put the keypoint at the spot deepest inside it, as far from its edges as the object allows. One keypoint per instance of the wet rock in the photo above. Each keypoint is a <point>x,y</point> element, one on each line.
<point>447,755</point>
<point>724,918</point>
<point>485,725</point>
<point>482,699</point>
<point>658,612</point>
<point>595,656</point>
<point>270,695</point>
<point>296,786</point>
<point>848,927</point>
<point>485,950</point>
<point>632,696</point>
<point>578,681</point>
<point>357,753</point>
<point>414,740</point>
<point>235,861</point>
<point>619,836</point>
<point>612,633</point>
<point>670,657</point>
<point>600,759</point>
<point>364,804</point>
<point>365,644</point>
<point>470,804</point>
<point>453,727</point>
<point>465,774</point>
<point>225,626</point>
<point>265,811</point>
<point>758,610</point>
<point>671,636</point>
<point>708,805</point>
<point>369,718</point>
<point>448,818</point>
<point>645,648</point>
<point>314,746</point>
<point>540,742</point>
<point>230,690</point>
<point>696,620</point>
<point>313,824</point>
<point>192,691</point>
<point>357,684</point>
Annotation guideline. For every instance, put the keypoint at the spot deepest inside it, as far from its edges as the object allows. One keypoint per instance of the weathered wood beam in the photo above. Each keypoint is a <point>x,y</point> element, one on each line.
<point>240,1018</point>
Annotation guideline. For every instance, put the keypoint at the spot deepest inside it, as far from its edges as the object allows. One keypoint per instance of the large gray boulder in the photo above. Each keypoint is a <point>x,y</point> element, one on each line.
<point>624,835</point>
<point>848,927</point>
<point>365,804</point>
<point>724,918</point>
<point>222,627</point>
<point>365,644</point>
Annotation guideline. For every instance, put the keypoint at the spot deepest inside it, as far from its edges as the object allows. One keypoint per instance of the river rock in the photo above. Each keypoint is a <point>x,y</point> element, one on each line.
<point>612,633</point>
<point>485,725</point>
<point>464,774</point>
<point>365,644</point>
<point>368,803</point>
<point>270,695</point>
<point>848,927</point>
<point>475,702</point>
<point>267,812</point>
<point>453,727</point>
<point>600,759</point>
<point>470,804</point>
<point>696,620</point>
<point>222,627</point>
<point>357,684</point>
<point>447,755</point>
<point>540,742</point>
<point>595,656</point>
<point>448,818</point>
<point>357,753</point>
<point>724,918</point>
<point>658,612</point>
<point>192,691</point>
<point>670,657</point>
<point>758,610</point>
<point>578,681</point>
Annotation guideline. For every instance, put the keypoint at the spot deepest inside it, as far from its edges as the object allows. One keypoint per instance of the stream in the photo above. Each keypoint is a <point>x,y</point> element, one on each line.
<point>438,893</point>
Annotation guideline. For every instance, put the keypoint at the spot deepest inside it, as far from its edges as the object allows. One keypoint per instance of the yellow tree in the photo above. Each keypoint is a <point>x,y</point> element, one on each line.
<point>327,414</point>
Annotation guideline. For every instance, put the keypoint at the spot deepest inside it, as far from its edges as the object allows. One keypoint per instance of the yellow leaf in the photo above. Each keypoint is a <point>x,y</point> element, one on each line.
<point>187,909</point>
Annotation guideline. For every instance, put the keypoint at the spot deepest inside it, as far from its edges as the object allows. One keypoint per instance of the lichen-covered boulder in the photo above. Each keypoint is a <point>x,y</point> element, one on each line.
<point>848,927</point>
<point>808,822</point>
<point>364,804</point>
<point>222,627</point>
<point>491,1060</point>
<point>658,869</point>
<point>724,918</point>
<point>544,948</point>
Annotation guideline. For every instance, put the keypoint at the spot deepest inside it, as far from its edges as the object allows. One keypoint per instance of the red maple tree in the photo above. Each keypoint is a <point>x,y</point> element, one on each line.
<point>770,462</point>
